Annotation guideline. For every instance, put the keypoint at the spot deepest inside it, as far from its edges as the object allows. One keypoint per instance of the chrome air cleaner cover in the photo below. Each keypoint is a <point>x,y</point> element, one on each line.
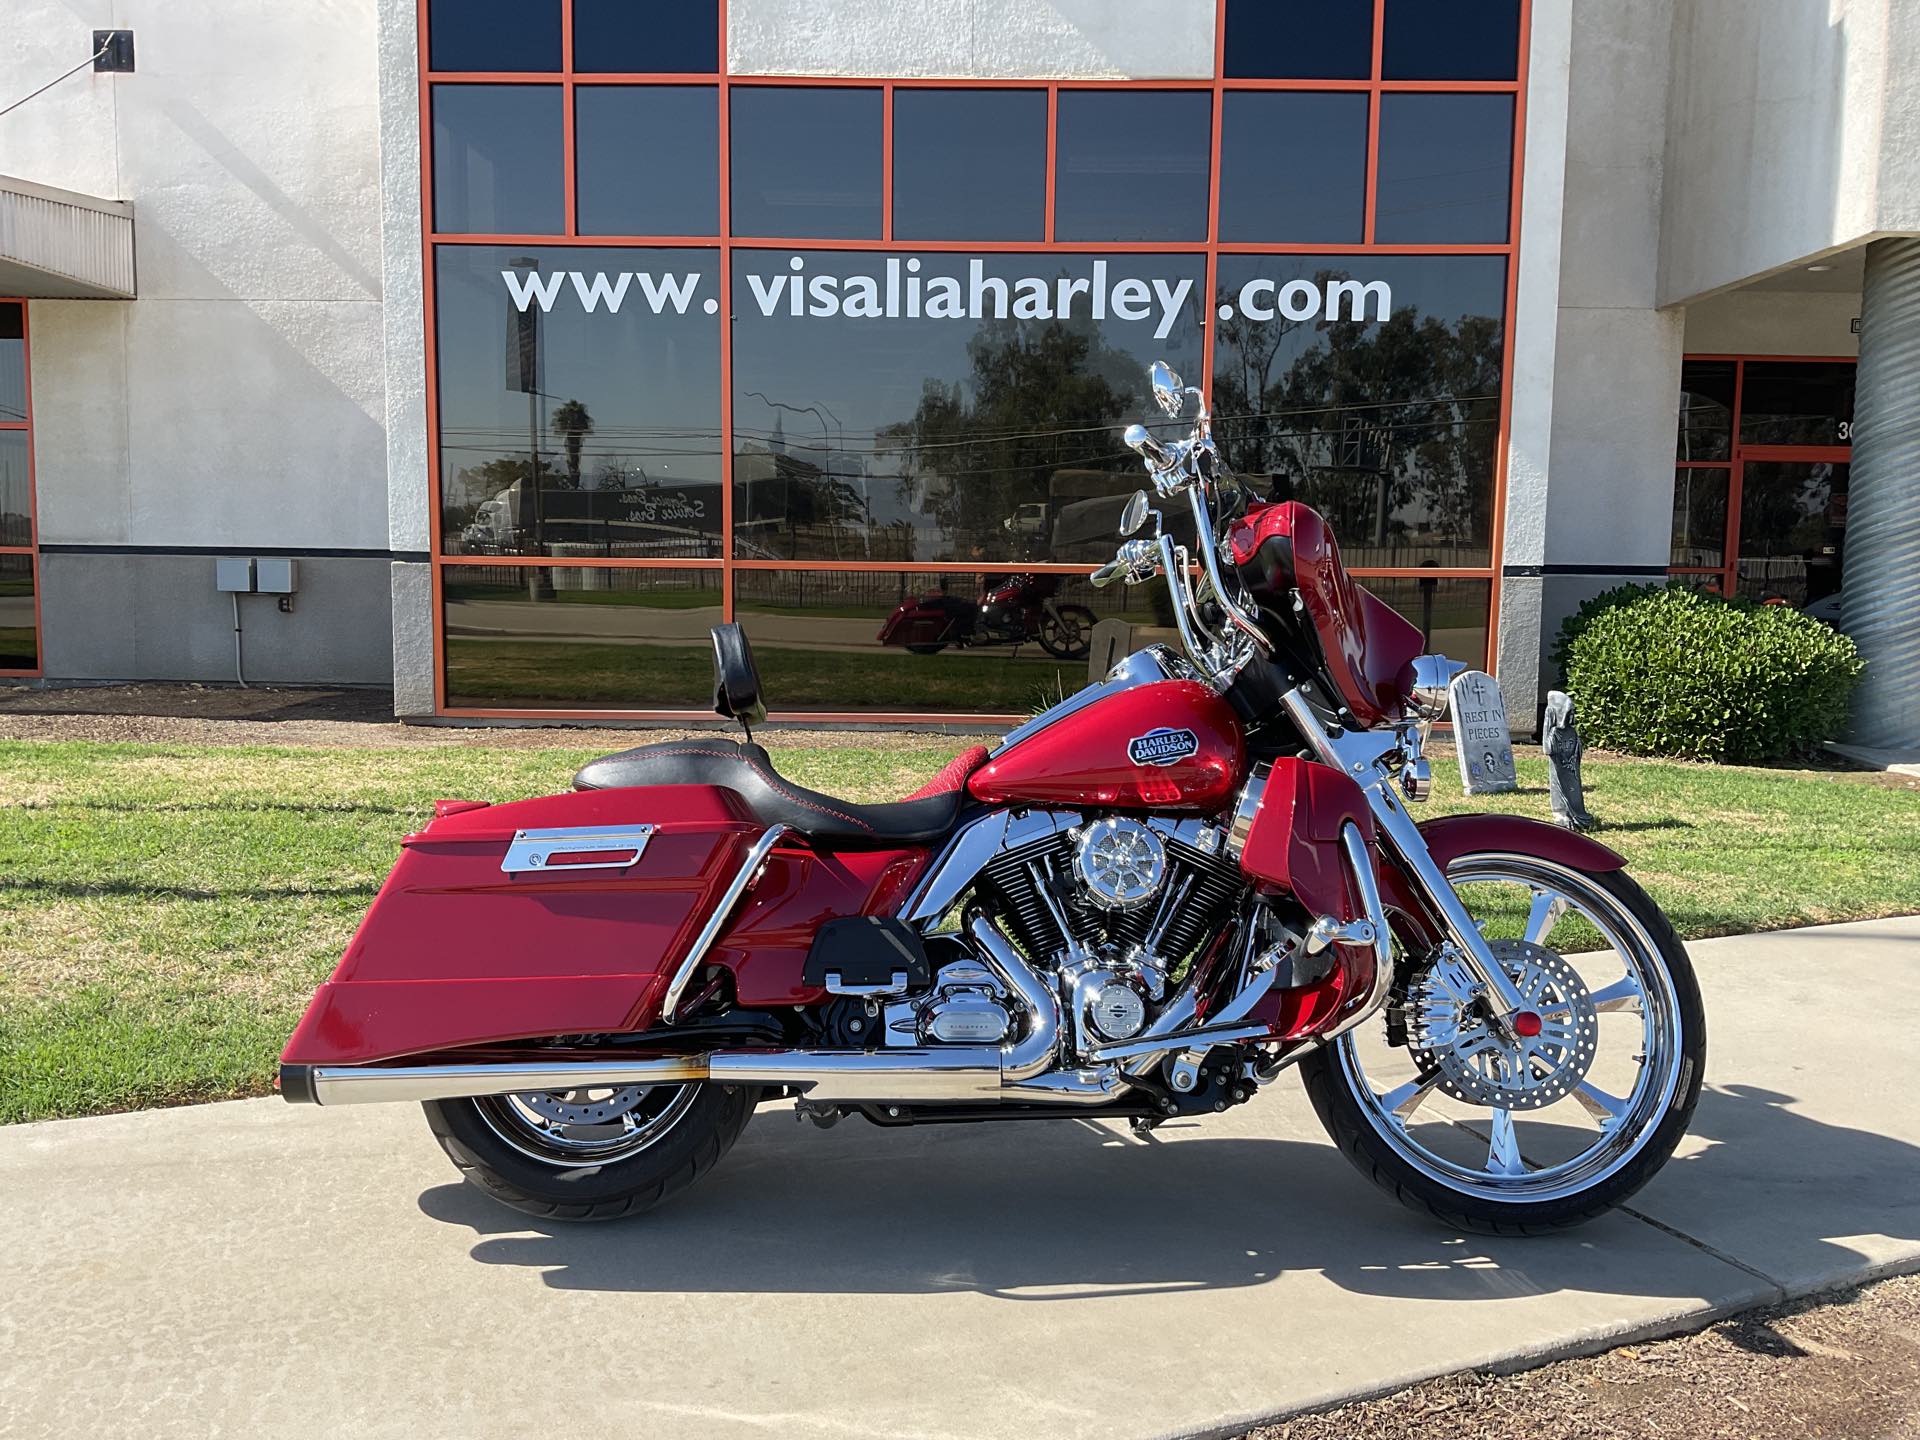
<point>1120,862</point>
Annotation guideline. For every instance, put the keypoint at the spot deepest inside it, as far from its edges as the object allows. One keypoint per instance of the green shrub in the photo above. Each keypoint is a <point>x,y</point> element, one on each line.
<point>1673,671</point>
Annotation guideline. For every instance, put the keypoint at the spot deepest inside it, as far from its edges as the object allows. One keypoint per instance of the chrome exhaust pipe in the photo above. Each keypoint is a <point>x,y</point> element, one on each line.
<point>370,1084</point>
<point>960,1075</point>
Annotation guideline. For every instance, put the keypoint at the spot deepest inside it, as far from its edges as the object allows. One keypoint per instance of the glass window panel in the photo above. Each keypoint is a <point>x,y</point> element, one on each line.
<point>1699,517</point>
<point>942,407</point>
<point>1793,525</point>
<point>615,411</point>
<point>649,158</point>
<point>1387,426</point>
<point>13,361</point>
<point>1293,167</point>
<point>969,164</point>
<point>1446,169</point>
<point>1299,39</point>
<point>553,637</point>
<point>1451,40</point>
<point>494,35</point>
<point>16,522</point>
<point>681,37</point>
<point>1789,402</point>
<point>497,166</point>
<point>19,635</point>
<point>1706,410</point>
<point>1451,613</point>
<point>806,161</point>
<point>929,642</point>
<point>1132,165</point>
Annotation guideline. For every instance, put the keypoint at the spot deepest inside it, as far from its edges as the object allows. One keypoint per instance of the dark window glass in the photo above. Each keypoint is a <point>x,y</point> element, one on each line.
<point>1293,168</point>
<point>1699,517</point>
<point>1793,526</point>
<point>969,164</point>
<point>998,642</point>
<point>13,362</point>
<point>1796,403</point>
<point>1451,40</point>
<point>494,35</point>
<point>615,411</point>
<point>806,162</point>
<point>560,637</point>
<point>631,37</point>
<point>649,158</point>
<point>1446,169</point>
<point>1132,165</point>
<point>19,636</point>
<point>1299,39</point>
<point>1706,410</point>
<point>946,407</point>
<point>16,522</point>
<point>1451,614</point>
<point>497,166</point>
<point>1387,424</point>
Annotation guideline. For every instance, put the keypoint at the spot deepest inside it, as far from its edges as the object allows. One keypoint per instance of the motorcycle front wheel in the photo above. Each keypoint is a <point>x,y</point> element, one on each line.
<point>1068,632</point>
<point>598,1154</point>
<point>1548,1128</point>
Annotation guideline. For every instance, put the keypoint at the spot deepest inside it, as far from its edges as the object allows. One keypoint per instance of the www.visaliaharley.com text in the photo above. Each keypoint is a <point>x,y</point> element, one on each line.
<point>899,291</point>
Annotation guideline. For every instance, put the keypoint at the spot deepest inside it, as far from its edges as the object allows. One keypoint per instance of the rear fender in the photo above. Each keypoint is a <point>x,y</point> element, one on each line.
<point>1453,837</point>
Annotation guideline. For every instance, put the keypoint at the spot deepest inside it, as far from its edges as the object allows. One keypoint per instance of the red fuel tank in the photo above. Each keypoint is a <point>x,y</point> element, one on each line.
<point>1170,745</point>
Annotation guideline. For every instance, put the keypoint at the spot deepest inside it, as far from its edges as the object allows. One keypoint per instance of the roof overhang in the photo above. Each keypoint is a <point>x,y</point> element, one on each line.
<point>57,245</point>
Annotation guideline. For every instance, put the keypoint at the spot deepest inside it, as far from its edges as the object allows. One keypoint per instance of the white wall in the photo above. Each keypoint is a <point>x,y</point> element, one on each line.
<point>240,400</point>
<point>1055,39</point>
<point>1795,130</point>
<point>1772,322</point>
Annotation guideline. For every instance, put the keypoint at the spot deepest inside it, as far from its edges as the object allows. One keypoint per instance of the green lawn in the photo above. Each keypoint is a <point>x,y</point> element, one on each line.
<point>166,909</point>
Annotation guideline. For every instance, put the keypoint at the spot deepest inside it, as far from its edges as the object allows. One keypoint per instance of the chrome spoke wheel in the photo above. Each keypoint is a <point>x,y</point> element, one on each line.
<point>572,1128</point>
<point>1563,1099</point>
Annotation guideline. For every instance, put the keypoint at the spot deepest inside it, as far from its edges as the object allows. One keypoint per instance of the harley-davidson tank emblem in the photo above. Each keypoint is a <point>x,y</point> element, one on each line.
<point>1163,746</point>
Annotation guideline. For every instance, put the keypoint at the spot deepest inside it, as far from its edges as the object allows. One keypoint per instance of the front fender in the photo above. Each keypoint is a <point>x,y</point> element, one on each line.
<point>1451,837</point>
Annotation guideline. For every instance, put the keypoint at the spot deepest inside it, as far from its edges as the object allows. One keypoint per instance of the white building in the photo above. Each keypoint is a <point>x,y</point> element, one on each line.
<point>546,338</point>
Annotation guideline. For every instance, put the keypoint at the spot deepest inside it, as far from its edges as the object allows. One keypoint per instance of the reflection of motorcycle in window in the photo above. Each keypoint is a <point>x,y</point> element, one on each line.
<point>1013,610</point>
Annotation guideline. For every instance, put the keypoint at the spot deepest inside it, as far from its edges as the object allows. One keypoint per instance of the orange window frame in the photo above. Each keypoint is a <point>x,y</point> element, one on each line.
<point>1726,575</point>
<point>1374,87</point>
<point>32,548</point>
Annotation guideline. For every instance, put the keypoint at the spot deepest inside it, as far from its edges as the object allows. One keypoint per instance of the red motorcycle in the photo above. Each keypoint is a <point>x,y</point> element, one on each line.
<point>1013,610</point>
<point>1143,904</point>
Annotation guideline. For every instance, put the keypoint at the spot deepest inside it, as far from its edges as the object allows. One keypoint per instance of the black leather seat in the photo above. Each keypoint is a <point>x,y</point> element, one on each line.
<point>748,771</point>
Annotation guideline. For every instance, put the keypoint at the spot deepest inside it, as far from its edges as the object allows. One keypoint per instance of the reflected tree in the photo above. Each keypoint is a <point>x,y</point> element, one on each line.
<point>571,424</point>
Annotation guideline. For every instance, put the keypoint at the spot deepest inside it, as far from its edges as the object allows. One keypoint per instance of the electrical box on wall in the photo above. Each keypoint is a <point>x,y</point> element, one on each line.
<point>274,575</point>
<point>234,572</point>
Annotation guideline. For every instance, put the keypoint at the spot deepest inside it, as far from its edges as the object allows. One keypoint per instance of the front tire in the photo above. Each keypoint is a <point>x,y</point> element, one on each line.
<point>590,1155</point>
<point>1445,1139</point>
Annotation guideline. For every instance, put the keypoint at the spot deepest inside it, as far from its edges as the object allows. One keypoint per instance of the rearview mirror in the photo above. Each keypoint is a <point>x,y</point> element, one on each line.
<point>1135,515</point>
<point>1168,391</point>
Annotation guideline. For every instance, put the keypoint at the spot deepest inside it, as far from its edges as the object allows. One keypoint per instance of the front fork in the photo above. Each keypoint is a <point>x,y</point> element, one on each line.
<point>1365,756</point>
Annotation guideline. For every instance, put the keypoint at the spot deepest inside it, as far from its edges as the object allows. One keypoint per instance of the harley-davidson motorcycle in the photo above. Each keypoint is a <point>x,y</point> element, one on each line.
<point>1143,904</point>
<point>1013,610</point>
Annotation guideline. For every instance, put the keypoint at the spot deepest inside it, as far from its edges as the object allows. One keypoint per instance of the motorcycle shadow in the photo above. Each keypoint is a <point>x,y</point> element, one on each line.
<point>1060,1210</point>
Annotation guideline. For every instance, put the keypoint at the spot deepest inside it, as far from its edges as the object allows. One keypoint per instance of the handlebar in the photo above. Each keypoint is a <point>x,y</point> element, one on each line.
<point>1188,467</point>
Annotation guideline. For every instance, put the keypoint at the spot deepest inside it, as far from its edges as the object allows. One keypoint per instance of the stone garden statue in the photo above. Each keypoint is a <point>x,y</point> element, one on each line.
<point>1564,748</point>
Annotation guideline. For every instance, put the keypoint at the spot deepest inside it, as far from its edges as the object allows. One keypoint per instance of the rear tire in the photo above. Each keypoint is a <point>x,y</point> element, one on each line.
<point>473,1134</point>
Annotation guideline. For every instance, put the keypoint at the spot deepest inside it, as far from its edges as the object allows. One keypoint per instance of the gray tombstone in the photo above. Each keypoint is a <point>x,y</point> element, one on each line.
<point>1480,733</point>
<point>1564,748</point>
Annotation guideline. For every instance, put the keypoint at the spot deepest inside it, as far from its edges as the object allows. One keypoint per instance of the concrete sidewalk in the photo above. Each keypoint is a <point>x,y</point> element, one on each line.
<point>254,1269</point>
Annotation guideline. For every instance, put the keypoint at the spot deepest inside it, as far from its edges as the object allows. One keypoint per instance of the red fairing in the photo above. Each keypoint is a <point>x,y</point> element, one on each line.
<point>1293,846</point>
<point>455,953</point>
<point>1170,746</point>
<point>1369,648</point>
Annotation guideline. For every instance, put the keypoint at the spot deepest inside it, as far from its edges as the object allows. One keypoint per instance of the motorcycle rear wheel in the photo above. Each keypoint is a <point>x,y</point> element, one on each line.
<point>1070,636</point>
<point>574,1155</point>
<point>1445,1139</point>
